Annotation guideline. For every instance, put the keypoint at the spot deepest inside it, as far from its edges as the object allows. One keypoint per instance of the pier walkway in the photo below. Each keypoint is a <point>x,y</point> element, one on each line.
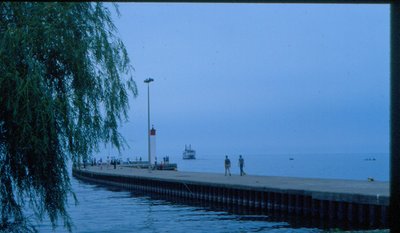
<point>346,202</point>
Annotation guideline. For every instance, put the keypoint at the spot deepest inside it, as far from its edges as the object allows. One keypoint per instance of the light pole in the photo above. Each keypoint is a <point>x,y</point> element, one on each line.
<point>148,81</point>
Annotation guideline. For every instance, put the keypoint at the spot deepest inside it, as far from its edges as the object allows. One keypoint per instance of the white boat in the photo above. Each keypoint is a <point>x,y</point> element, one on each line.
<point>189,153</point>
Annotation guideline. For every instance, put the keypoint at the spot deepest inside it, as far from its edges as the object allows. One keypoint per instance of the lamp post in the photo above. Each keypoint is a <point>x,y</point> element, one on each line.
<point>148,81</point>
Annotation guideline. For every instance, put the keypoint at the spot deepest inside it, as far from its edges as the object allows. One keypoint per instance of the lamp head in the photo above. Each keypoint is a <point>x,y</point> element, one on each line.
<point>148,80</point>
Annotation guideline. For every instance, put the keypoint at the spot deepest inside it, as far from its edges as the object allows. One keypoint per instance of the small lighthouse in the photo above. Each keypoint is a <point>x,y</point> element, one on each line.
<point>152,144</point>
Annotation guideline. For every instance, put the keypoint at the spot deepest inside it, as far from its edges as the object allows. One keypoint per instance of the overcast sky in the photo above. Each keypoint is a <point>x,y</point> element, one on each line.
<point>258,78</point>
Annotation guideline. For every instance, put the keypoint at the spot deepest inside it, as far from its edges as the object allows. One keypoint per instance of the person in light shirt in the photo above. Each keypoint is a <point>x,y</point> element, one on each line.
<point>227,166</point>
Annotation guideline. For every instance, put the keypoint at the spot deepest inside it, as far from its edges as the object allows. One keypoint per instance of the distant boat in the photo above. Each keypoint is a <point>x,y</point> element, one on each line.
<point>370,159</point>
<point>189,153</point>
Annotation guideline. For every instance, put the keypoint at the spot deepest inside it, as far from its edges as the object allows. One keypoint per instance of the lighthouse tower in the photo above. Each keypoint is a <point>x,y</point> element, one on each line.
<point>152,144</point>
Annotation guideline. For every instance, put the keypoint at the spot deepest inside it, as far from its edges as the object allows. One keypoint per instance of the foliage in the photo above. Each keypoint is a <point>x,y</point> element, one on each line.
<point>64,85</point>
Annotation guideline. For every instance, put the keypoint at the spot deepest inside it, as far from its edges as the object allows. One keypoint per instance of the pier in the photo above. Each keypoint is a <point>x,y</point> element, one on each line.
<point>323,203</point>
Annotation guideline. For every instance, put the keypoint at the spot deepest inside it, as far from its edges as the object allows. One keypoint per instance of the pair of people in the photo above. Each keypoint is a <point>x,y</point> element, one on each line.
<point>228,165</point>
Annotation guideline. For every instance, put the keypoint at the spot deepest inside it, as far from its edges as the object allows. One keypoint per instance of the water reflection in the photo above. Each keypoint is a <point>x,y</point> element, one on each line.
<point>109,209</point>
<point>161,214</point>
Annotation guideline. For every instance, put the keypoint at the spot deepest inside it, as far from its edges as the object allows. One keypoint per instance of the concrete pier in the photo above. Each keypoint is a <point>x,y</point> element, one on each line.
<point>324,203</point>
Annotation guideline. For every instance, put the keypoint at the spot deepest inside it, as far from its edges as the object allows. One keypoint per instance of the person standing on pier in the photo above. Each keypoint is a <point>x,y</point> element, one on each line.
<point>241,165</point>
<point>227,166</point>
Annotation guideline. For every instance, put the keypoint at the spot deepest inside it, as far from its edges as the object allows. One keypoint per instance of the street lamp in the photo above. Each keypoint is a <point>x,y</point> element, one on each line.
<point>148,81</point>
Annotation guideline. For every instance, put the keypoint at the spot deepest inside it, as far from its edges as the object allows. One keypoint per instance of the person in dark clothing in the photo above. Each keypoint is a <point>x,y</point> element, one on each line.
<point>227,166</point>
<point>241,165</point>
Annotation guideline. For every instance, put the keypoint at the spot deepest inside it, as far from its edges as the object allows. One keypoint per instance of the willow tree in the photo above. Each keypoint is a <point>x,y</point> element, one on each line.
<point>64,82</point>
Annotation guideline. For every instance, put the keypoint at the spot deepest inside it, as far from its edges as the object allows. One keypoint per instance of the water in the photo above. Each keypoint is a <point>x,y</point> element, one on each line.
<point>330,166</point>
<point>104,209</point>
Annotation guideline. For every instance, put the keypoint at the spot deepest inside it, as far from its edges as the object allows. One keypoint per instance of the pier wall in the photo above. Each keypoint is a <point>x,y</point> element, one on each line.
<point>319,209</point>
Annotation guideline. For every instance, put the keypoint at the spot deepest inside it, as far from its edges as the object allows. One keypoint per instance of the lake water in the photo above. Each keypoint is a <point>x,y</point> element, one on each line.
<point>104,209</point>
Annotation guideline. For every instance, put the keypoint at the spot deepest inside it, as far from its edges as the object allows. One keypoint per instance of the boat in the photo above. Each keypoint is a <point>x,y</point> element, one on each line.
<point>189,153</point>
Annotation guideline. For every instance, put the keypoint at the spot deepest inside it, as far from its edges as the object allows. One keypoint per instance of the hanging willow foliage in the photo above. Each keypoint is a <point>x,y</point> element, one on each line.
<point>64,83</point>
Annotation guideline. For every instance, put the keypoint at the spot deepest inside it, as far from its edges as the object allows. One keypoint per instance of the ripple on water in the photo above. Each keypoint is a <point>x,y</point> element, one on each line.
<point>102,209</point>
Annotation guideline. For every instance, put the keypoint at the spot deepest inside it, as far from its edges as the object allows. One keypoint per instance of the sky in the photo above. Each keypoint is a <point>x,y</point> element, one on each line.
<point>258,78</point>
